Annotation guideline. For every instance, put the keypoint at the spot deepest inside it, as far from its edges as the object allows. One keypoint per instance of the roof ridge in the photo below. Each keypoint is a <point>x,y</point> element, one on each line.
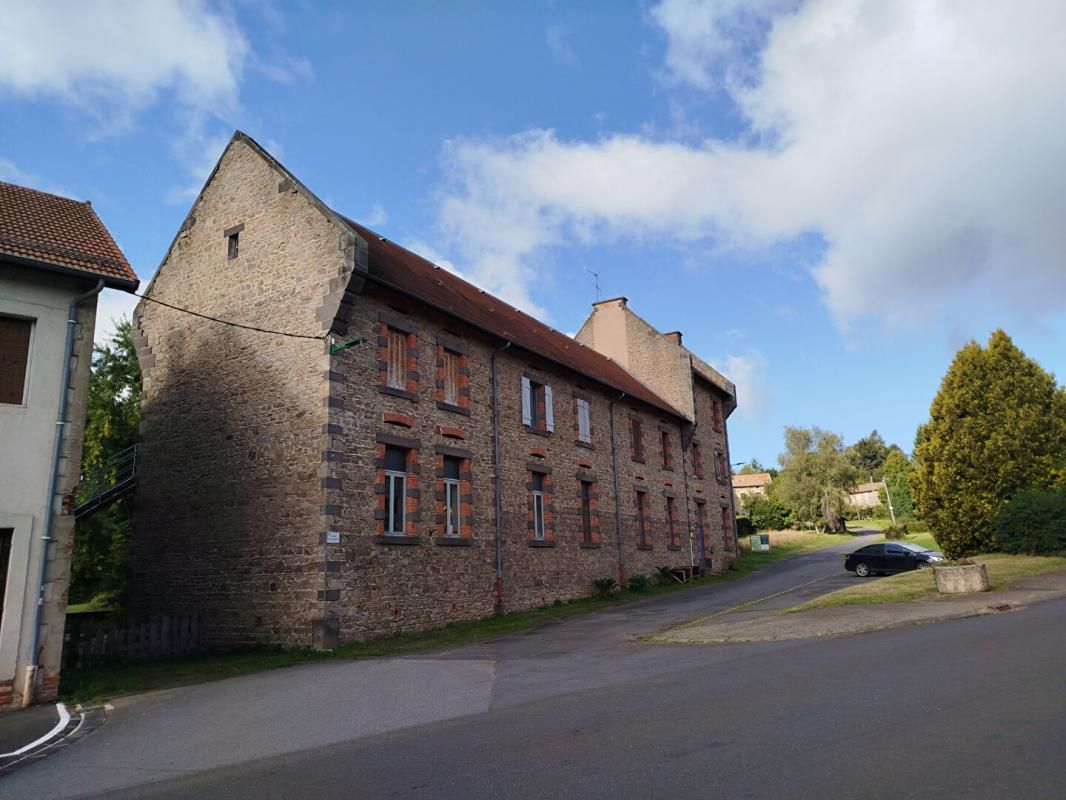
<point>62,197</point>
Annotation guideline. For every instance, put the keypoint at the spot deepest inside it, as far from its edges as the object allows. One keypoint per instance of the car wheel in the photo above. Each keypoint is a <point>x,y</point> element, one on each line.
<point>923,565</point>
<point>862,570</point>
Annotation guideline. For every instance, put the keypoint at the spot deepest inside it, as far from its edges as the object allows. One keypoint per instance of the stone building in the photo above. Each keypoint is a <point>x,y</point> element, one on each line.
<point>747,485</point>
<point>395,449</point>
<point>55,258</point>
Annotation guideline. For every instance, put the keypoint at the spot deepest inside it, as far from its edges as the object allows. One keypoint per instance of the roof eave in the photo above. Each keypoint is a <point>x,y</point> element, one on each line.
<point>110,281</point>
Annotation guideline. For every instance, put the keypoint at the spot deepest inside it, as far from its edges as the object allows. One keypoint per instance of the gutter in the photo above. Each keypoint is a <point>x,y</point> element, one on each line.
<point>497,479</point>
<point>617,497</point>
<point>53,481</point>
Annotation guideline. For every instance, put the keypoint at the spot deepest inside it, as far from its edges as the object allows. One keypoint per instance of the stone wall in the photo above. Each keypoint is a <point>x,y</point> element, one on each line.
<point>228,511</point>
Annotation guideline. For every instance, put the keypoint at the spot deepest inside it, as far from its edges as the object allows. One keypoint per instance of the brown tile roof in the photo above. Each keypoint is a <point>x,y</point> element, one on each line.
<point>865,487</point>
<point>410,273</point>
<point>750,480</point>
<point>60,232</point>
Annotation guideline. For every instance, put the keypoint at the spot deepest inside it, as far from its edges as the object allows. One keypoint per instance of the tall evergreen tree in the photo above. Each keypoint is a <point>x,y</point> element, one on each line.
<point>868,455</point>
<point>996,427</point>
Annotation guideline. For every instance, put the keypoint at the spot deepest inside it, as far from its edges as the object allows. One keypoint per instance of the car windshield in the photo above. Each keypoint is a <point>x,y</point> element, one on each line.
<point>917,548</point>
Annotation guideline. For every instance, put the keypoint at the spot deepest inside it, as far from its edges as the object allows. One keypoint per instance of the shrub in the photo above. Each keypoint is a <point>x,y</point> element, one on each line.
<point>897,531</point>
<point>917,526</point>
<point>767,513</point>
<point>1034,522</point>
<point>605,587</point>
<point>638,583</point>
<point>745,527</point>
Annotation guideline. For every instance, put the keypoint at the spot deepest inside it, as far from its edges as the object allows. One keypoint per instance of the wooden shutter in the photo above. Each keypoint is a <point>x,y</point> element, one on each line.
<point>397,359</point>
<point>549,413</point>
<point>527,402</point>
<point>14,358</point>
<point>584,423</point>
<point>451,378</point>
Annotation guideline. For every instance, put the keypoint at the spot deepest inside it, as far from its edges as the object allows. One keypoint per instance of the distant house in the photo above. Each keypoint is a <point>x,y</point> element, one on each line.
<point>55,258</point>
<point>865,495</point>
<point>754,483</point>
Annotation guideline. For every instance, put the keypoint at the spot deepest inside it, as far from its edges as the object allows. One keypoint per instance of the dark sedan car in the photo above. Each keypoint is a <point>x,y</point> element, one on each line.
<point>890,557</point>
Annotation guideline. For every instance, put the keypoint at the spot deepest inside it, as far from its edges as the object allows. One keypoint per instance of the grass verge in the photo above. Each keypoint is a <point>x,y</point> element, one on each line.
<point>100,683</point>
<point>1003,571</point>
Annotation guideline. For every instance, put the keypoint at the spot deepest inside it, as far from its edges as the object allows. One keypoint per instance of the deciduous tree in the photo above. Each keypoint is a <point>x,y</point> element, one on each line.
<point>814,478</point>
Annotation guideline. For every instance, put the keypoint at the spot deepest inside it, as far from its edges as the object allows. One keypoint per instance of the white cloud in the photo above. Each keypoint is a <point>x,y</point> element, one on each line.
<point>375,216</point>
<point>112,306</point>
<point>10,173</point>
<point>920,140</point>
<point>748,372</point>
<point>558,40</point>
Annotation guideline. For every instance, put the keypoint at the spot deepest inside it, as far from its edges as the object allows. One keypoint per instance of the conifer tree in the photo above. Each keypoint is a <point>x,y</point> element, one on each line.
<point>996,428</point>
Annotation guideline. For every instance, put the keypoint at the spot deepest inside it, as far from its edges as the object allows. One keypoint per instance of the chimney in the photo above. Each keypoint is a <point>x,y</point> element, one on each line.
<point>674,336</point>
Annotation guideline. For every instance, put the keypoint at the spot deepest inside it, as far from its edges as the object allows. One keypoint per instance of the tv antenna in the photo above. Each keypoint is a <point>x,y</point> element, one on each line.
<point>595,282</point>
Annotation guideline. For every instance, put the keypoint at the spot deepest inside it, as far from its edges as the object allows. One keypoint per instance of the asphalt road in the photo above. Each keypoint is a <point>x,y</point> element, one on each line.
<point>972,708</point>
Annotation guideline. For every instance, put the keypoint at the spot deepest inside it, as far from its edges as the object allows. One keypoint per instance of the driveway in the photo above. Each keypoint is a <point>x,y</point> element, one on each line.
<point>178,733</point>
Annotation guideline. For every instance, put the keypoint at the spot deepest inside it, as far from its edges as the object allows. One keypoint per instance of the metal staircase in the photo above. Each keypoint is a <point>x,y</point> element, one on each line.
<point>107,482</point>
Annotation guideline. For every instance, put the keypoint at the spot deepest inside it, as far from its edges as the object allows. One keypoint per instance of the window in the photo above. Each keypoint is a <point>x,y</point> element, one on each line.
<point>6,535</point>
<point>667,449</point>
<point>452,484</point>
<point>671,523</point>
<point>537,411</point>
<point>701,529</point>
<point>697,460</point>
<point>636,437</point>
<point>395,490</point>
<point>232,245</point>
<point>720,470</point>
<point>642,520</point>
<point>586,512</point>
<point>451,378</point>
<point>728,534</point>
<point>397,369</point>
<point>537,496</point>
<point>14,359</point>
<point>583,420</point>
<point>716,407</point>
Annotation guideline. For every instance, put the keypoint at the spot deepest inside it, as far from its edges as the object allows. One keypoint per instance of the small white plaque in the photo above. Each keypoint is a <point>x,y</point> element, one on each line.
<point>333,537</point>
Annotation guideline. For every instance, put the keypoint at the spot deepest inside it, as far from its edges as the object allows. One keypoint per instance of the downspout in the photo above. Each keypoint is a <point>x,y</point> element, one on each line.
<point>729,476</point>
<point>617,497</point>
<point>497,480</point>
<point>684,472</point>
<point>53,481</point>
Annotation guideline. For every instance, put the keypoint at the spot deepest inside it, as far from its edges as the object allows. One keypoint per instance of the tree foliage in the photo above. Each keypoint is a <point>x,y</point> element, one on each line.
<point>897,468</point>
<point>868,456</point>
<point>767,512</point>
<point>996,427</point>
<point>814,478</point>
<point>101,542</point>
<point>1033,522</point>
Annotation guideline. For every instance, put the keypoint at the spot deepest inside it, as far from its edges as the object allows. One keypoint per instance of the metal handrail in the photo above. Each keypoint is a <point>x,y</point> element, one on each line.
<point>107,481</point>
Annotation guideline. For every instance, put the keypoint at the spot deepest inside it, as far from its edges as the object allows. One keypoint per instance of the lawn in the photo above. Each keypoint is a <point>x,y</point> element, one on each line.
<point>1003,571</point>
<point>100,683</point>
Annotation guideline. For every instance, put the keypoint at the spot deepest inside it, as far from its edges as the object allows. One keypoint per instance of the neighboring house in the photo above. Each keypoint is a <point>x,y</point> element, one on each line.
<point>55,257</point>
<point>749,484</point>
<point>417,451</point>
<point>865,495</point>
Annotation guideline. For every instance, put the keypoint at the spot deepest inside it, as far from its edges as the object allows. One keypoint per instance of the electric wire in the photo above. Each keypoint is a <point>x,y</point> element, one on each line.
<point>321,337</point>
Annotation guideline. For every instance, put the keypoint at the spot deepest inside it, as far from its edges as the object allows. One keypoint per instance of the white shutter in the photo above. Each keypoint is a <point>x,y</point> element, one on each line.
<point>549,413</point>
<point>584,425</point>
<point>527,401</point>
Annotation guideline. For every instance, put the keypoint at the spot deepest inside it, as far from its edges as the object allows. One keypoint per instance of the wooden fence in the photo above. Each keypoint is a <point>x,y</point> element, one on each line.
<point>99,638</point>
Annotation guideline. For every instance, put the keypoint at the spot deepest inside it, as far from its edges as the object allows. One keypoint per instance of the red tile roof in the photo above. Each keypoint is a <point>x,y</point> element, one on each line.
<point>410,273</point>
<point>60,232</point>
<point>750,480</point>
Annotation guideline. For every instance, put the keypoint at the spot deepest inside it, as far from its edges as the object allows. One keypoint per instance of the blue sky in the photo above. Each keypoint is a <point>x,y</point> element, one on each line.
<point>828,198</point>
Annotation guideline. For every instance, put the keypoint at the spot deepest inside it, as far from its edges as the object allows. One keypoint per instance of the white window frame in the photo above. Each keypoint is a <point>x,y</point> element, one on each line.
<point>538,515</point>
<point>452,506</point>
<point>529,405</point>
<point>392,480</point>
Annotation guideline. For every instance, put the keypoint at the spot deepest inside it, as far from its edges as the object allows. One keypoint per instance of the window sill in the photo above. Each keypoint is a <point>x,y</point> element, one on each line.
<point>586,445</point>
<point>673,547</point>
<point>639,461</point>
<point>452,541</point>
<point>591,545</point>
<point>667,469</point>
<point>401,540</point>
<point>644,547</point>
<point>394,392</point>
<point>454,409</point>
<point>542,543</point>
<point>536,431</point>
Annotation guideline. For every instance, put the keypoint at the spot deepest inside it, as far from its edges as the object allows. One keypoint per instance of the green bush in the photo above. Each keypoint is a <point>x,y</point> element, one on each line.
<point>638,583</point>
<point>917,526</point>
<point>665,576</point>
<point>897,531</point>
<point>1034,523</point>
<point>605,587</point>
<point>745,527</point>
<point>766,513</point>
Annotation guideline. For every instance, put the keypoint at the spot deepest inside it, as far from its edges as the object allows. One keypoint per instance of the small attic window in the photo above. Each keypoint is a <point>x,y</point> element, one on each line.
<point>233,246</point>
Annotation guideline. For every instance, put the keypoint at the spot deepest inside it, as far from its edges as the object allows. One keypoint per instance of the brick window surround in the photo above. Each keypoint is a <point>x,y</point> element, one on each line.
<point>666,448</point>
<point>453,376</point>
<point>397,357</point>
<point>703,526</point>
<point>582,420</point>
<point>389,448</point>
<point>643,516</point>
<point>538,409</point>
<point>15,336</point>
<point>671,522</point>
<point>540,509</point>
<point>729,534</point>
<point>716,408</point>
<point>636,439</point>
<point>697,460</point>
<point>454,495</point>
<point>589,505</point>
